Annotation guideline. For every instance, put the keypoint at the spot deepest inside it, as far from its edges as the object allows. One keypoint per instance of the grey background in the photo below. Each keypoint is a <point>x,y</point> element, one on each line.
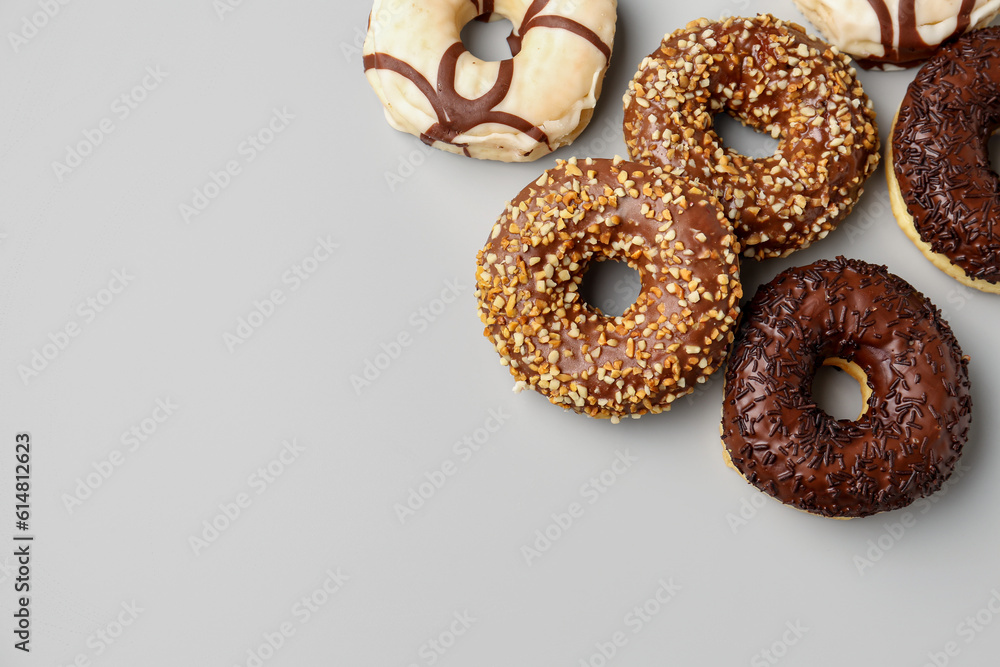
<point>674,515</point>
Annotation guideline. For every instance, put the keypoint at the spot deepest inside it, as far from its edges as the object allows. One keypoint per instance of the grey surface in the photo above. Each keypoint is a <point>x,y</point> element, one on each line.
<point>673,515</point>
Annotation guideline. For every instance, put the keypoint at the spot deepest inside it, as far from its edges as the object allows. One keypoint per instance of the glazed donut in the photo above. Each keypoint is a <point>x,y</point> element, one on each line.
<point>514,111</point>
<point>676,333</point>
<point>866,29</point>
<point>943,191</point>
<point>771,76</point>
<point>917,413</point>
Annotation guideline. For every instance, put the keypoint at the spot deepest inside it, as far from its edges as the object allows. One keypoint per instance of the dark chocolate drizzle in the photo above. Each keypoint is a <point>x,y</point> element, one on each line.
<point>457,114</point>
<point>941,156</point>
<point>909,440</point>
<point>911,49</point>
<point>533,20</point>
<point>887,34</point>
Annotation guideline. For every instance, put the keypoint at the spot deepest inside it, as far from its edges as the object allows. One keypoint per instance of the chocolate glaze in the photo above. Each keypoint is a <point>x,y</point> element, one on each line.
<point>457,114</point>
<point>533,20</point>
<point>911,49</point>
<point>773,77</point>
<point>941,156</point>
<point>674,335</point>
<point>906,444</point>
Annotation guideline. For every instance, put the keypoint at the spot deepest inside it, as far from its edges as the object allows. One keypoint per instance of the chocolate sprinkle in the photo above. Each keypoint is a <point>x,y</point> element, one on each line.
<point>908,441</point>
<point>941,155</point>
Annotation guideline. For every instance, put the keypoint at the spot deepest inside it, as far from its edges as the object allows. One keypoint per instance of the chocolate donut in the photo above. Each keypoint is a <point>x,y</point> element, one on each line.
<point>676,333</point>
<point>773,77</point>
<point>516,110</point>
<point>916,420</point>
<point>942,188</point>
<point>866,29</point>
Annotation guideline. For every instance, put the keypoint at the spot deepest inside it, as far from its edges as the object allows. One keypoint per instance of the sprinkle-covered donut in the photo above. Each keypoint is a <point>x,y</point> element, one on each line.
<point>890,34</point>
<point>769,75</point>
<point>676,333</point>
<point>942,188</point>
<point>516,110</point>
<point>917,412</point>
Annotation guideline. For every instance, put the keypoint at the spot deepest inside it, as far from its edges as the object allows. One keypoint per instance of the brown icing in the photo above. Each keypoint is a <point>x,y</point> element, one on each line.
<point>457,114</point>
<point>910,438</point>
<point>941,156</point>
<point>674,335</point>
<point>773,77</point>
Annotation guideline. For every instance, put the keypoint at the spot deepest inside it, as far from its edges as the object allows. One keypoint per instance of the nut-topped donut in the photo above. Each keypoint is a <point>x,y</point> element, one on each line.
<point>516,110</point>
<point>917,413</point>
<point>769,75</point>
<point>943,190</point>
<point>675,334</point>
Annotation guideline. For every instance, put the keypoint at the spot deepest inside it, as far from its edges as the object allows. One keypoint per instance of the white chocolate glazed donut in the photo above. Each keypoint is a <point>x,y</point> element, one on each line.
<point>896,33</point>
<point>516,110</point>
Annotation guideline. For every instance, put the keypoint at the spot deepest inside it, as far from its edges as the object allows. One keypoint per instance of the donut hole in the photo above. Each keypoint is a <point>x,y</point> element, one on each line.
<point>488,40</point>
<point>840,388</point>
<point>993,147</point>
<point>610,286</point>
<point>744,139</point>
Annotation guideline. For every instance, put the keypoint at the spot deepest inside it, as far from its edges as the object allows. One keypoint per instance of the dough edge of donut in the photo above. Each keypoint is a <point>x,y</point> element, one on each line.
<point>848,367</point>
<point>908,225</point>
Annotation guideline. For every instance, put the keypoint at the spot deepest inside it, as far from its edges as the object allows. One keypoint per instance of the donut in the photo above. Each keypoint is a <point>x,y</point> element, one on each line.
<point>769,75</point>
<point>673,337</point>
<point>867,30</point>
<point>941,185</point>
<point>514,111</point>
<point>917,413</point>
